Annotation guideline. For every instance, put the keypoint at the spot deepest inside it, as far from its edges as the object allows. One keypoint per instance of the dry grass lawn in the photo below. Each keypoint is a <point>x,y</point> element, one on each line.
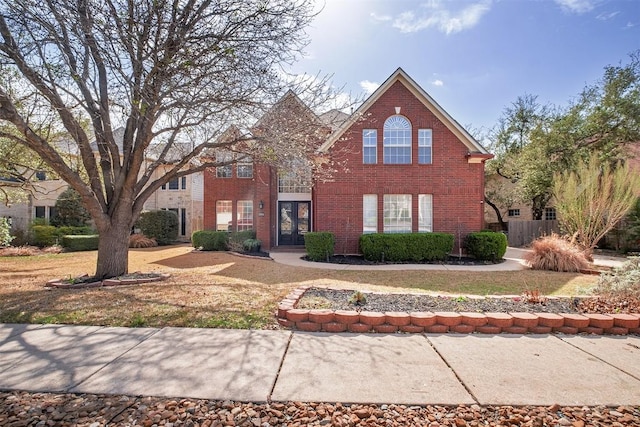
<point>212,289</point>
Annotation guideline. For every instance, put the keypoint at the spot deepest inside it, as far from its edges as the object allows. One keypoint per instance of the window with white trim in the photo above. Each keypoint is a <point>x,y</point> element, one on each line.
<point>370,146</point>
<point>223,215</point>
<point>244,215</point>
<point>245,168</point>
<point>513,212</point>
<point>425,213</point>
<point>424,146</point>
<point>369,213</point>
<point>397,213</point>
<point>176,184</point>
<point>224,171</point>
<point>397,141</point>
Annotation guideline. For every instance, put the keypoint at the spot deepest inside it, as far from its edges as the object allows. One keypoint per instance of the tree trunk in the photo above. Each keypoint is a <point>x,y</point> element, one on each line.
<point>503,225</point>
<point>113,250</point>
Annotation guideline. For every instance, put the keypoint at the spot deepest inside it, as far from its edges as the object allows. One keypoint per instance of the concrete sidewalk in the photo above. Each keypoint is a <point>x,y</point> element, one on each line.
<point>259,366</point>
<point>513,261</point>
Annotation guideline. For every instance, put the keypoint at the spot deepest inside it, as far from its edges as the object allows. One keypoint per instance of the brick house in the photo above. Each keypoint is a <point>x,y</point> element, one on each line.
<point>405,165</point>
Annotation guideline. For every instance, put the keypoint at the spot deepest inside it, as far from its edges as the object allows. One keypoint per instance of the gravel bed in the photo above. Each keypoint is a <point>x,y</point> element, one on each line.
<point>339,300</point>
<point>65,410</point>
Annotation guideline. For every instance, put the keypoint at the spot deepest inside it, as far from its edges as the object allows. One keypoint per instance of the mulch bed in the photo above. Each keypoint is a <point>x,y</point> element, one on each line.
<point>338,299</point>
<point>360,260</point>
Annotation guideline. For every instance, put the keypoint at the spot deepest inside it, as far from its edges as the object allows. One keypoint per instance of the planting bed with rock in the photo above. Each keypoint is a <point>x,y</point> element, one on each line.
<point>46,409</point>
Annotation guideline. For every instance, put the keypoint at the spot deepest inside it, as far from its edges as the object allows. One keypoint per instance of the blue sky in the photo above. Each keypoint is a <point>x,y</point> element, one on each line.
<point>474,57</point>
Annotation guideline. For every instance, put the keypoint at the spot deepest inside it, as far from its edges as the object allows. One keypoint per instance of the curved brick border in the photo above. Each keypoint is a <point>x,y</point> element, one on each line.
<point>61,284</point>
<point>442,322</point>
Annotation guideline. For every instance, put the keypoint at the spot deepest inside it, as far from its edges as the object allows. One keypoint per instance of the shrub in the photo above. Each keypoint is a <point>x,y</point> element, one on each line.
<point>209,240</point>
<point>486,245</point>
<point>236,239</point>
<point>44,235</point>
<point>5,235</point>
<point>80,243</point>
<point>623,281</point>
<point>252,245</point>
<point>141,241</point>
<point>416,247</point>
<point>319,245</point>
<point>69,210</point>
<point>556,254</point>
<point>161,225</point>
<point>75,231</point>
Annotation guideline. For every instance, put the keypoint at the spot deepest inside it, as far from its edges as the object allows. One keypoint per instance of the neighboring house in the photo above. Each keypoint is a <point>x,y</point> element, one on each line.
<point>183,195</point>
<point>405,166</point>
<point>38,202</point>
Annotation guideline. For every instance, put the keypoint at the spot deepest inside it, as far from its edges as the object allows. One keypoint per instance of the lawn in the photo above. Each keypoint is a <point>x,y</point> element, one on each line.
<point>213,289</point>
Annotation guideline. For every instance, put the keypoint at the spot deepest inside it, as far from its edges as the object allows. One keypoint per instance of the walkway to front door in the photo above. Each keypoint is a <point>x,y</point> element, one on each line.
<point>293,222</point>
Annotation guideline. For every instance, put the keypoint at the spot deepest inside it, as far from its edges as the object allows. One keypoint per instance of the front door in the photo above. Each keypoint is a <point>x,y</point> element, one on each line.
<point>293,222</point>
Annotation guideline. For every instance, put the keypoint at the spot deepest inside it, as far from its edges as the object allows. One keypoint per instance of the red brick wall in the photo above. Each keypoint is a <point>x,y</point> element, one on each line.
<point>457,186</point>
<point>261,187</point>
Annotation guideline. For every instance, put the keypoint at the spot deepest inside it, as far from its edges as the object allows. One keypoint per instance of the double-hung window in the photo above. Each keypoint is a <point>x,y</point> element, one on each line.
<point>424,146</point>
<point>397,213</point>
<point>245,167</point>
<point>397,141</point>
<point>369,146</point>
<point>245,215</point>
<point>224,171</point>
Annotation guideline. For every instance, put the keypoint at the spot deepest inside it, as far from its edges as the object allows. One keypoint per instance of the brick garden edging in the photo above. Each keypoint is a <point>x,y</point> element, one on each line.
<point>443,322</point>
<point>62,284</point>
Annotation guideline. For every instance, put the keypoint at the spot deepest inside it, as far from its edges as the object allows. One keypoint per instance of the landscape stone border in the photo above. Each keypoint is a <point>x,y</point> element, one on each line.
<point>62,284</point>
<point>326,320</point>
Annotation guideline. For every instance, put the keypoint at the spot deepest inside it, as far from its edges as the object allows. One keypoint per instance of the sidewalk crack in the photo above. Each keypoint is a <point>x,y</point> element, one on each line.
<point>275,381</point>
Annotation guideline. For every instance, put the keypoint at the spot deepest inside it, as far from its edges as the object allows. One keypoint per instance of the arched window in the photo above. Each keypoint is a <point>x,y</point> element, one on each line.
<point>397,141</point>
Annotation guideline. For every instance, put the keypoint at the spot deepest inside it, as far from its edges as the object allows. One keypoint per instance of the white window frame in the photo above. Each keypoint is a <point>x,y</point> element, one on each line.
<point>425,146</point>
<point>369,146</point>
<point>244,215</point>
<point>369,213</point>
<point>244,168</point>
<point>425,213</point>
<point>396,141</point>
<point>397,213</point>
<point>224,215</point>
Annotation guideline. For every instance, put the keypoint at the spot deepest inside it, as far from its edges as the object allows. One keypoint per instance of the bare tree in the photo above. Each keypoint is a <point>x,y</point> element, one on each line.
<point>592,199</point>
<point>174,74</point>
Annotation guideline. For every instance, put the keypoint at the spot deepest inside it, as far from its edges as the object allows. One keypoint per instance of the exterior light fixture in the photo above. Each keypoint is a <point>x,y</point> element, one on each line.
<point>261,204</point>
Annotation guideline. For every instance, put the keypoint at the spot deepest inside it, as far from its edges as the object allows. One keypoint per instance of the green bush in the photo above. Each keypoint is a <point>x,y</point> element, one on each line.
<point>319,245</point>
<point>48,235</point>
<point>44,235</point>
<point>209,240</point>
<point>69,210</point>
<point>5,235</point>
<point>252,245</point>
<point>416,247</point>
<point>161,225</point>
<point>486,245</point>
<point>80,242</point>
<point>236,239</point>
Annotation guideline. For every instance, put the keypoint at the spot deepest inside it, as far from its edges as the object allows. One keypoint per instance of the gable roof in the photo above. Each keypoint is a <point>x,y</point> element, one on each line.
<point>475,148</point>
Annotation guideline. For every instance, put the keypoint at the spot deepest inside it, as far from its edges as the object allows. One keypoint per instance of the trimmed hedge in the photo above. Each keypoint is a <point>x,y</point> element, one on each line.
<point>319,245</point>
<point>161,225</point>
<point>252,245</point>
<point>210,240</point>
<point>48,235</point>
<point>486,245</point>
<point>415,247</point>
<point>80,242</point>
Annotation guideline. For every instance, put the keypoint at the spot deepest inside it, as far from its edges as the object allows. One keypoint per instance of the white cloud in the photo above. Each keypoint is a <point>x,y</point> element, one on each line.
<point>437,82</point>
<point>369,87</point>
<point>606,16</point>
<point>381,18</point>
<point>576,6</point>
<point>438,16</point>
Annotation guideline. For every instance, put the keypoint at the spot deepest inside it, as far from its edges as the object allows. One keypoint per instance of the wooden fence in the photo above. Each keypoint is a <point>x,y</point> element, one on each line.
<point>522,233</point>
